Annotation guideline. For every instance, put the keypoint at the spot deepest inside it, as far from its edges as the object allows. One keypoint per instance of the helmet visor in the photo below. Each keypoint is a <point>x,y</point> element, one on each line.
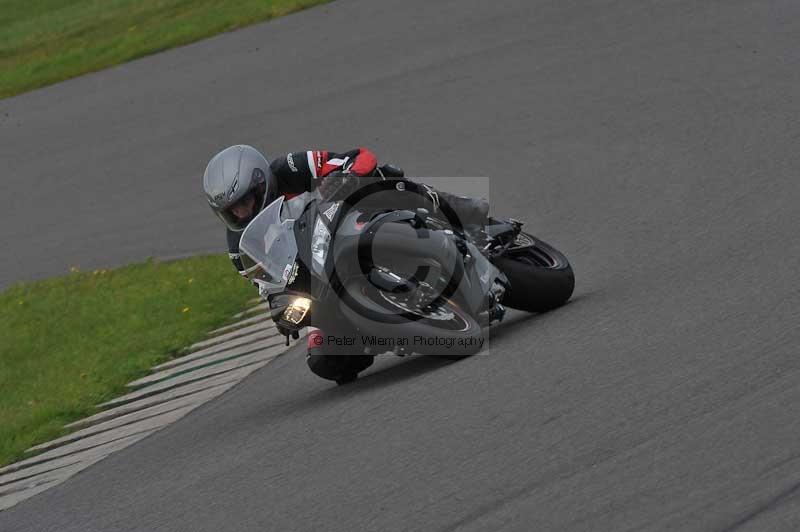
<point>239,214</point>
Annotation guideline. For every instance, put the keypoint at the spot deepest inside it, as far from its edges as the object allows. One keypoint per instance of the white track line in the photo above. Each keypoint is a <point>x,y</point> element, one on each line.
<point>174,389</point>
<point>240,324</point>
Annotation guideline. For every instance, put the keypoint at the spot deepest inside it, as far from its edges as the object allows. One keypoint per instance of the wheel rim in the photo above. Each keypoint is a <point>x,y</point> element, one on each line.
<point>528,250</point>
<point>443,312</point>
<point>409,304</point>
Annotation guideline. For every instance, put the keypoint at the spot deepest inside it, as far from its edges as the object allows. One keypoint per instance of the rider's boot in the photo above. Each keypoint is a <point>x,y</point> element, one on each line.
<point>332,363</point>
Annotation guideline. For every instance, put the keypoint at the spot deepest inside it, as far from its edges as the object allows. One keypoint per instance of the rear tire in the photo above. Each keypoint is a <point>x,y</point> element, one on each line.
<point>541,277</point>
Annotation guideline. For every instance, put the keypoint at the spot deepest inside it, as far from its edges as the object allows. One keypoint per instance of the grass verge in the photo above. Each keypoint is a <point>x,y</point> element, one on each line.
<point>72,342</point>
<point>45,41</point>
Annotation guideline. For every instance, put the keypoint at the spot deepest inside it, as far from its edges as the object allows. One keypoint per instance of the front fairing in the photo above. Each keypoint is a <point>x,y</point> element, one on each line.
<point>269,241</point>
<point>291,270</point>
<point>316,231</point>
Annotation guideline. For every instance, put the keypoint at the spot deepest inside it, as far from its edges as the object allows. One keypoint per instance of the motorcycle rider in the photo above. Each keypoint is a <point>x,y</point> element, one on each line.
<point>239,182</point>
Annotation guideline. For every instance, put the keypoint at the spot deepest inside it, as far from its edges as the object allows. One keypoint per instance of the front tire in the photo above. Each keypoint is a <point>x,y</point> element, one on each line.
<point>457,333</point>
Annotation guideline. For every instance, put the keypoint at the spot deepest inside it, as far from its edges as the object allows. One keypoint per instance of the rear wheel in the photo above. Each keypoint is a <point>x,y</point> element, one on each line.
<point>541,277</point>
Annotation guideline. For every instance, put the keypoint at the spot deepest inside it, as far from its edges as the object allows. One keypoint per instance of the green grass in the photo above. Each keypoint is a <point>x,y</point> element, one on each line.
<point>45,41</point>
<point>69,343</point>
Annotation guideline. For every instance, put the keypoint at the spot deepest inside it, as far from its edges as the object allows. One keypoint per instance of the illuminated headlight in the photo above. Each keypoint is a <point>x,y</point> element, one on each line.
<point>297,310</point>
<point>319,245</point>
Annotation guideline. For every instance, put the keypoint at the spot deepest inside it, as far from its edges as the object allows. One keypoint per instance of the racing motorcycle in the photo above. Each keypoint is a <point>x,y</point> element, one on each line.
<point>375,279</point>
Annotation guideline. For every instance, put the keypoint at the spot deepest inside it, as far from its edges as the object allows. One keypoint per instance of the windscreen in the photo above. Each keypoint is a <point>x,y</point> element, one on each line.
<point>270,243</point>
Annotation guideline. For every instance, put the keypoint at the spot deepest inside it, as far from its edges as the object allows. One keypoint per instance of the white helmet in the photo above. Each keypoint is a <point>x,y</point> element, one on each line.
<point>234,176</point>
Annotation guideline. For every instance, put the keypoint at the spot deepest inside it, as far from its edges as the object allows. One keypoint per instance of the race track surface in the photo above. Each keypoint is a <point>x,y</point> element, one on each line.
<point>655,143</point>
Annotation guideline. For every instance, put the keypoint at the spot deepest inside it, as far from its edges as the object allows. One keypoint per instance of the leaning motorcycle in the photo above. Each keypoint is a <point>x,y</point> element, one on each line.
<point>376,279</point>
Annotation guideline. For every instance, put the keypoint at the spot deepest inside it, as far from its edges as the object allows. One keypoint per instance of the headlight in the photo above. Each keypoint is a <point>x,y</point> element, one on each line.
<point>297,310</point>
<point>319,245</point>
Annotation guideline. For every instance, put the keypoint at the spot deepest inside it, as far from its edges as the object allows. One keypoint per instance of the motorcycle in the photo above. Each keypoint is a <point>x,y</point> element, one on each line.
<point>401,280</point>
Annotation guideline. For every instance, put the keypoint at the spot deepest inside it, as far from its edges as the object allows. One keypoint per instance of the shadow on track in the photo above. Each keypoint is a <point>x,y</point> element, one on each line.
<point>520,318</point>
<point>303,394</point>
<point>300,392</point>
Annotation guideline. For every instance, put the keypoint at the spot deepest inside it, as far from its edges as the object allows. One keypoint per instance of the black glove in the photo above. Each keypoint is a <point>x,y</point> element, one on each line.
<point>288,332</point>
<point>338,185</point>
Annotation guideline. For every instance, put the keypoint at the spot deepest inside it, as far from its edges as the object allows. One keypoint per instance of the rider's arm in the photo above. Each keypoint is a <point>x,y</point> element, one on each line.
<point>359,161</point>
<point>295,172</point>
<point>303,171</point>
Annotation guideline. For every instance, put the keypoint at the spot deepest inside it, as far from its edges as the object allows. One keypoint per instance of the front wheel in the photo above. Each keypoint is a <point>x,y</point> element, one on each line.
<point>441,328</point>
<point>541,277</point>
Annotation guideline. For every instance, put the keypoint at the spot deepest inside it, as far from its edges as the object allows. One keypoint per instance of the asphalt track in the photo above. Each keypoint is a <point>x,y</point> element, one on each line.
<point>656,143</point>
